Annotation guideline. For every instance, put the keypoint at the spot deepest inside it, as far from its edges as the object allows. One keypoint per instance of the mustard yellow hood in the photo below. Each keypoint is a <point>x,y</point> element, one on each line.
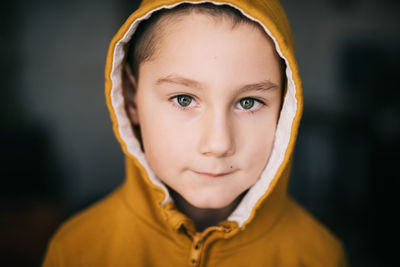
<point>139,225</point>
<point>269,192</point>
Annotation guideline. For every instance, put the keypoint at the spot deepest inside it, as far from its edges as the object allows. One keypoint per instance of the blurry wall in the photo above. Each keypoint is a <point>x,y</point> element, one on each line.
<point>345,166</point>
<point>58,151</point>
<point>60,155</point>
<point>62,48</point>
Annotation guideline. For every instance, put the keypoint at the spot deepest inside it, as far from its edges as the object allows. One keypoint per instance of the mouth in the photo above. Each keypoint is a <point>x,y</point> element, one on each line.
<point>213,175</point>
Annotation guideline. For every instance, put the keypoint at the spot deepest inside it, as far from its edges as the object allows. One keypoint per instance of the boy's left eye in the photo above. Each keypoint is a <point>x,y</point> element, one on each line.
<point>249,104</point>
<point>184,100</point>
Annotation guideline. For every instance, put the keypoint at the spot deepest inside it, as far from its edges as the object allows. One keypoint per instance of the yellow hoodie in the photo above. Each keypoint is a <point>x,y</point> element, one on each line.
<point>137,225</point>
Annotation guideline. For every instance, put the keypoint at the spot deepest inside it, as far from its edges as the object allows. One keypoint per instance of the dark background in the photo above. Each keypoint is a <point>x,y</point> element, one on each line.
<point>59,155</point>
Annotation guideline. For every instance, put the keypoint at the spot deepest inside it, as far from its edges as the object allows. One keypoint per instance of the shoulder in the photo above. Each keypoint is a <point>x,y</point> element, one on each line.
<point>87,232</point>
<point>87,223</point>
<point>315,244</point>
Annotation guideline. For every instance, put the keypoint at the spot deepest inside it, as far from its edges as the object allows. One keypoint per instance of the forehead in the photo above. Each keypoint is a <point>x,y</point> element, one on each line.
<point>198,45</point>
<point>170,22</point>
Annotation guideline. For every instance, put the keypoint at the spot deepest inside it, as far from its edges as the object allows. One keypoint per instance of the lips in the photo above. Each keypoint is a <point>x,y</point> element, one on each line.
<point>214,175</point>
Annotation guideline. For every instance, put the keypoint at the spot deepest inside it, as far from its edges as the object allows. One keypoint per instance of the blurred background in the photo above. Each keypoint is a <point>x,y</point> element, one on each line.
<point>59,155</point>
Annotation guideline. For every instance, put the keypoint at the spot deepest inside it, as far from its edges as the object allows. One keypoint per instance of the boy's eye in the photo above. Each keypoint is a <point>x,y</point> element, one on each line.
<point>247,103</point>
<point>183,100</point>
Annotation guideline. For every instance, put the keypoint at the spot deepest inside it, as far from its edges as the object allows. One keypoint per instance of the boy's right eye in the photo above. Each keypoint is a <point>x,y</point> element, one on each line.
<point>184,101</point>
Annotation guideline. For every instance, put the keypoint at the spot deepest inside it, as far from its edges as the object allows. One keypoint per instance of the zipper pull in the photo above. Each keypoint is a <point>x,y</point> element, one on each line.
<point>198,242</point>
<point>196,250</point>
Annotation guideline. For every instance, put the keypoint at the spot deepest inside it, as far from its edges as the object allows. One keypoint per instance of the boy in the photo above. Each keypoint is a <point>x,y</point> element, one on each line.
<point>206,101</point>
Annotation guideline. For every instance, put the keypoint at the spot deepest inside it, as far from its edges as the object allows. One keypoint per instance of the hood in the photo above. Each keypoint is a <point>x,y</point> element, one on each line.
<point>147,194</point>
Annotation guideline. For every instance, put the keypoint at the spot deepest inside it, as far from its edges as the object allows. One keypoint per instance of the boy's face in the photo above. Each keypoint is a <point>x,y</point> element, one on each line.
<point>208,104</point>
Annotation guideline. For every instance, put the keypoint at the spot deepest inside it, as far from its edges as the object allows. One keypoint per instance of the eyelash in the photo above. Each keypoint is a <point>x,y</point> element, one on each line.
<point>174,100</point>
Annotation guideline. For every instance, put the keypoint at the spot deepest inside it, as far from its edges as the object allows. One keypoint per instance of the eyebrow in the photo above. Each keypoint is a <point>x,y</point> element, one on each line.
<point>265,85</point>
<point>174,79</point>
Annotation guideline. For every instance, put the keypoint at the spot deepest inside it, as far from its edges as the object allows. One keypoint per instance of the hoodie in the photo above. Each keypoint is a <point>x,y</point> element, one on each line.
<point>139,225</point>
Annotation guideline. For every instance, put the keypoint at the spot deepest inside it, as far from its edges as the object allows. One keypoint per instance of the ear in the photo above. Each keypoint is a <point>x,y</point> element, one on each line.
<point>129,91</point>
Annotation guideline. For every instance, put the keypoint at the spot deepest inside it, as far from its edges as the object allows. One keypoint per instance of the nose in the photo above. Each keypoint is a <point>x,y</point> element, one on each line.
<point>217,135</point>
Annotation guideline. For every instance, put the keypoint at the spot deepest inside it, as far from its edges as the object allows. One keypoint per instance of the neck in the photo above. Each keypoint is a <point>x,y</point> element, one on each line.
<point>204,218</point>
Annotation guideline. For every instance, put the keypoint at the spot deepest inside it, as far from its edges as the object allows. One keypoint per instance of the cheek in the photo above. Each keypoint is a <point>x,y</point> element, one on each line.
<point>260,144</point>
<point>166,141</point>
<point>257,140</point>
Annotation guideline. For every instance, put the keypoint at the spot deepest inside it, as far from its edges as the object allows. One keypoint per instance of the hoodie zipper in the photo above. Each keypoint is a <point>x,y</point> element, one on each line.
<point>198,243</point>
<point>196,250</point>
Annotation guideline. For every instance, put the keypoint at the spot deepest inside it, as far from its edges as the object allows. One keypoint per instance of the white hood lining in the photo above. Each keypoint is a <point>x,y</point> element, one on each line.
<point>282,135</point>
